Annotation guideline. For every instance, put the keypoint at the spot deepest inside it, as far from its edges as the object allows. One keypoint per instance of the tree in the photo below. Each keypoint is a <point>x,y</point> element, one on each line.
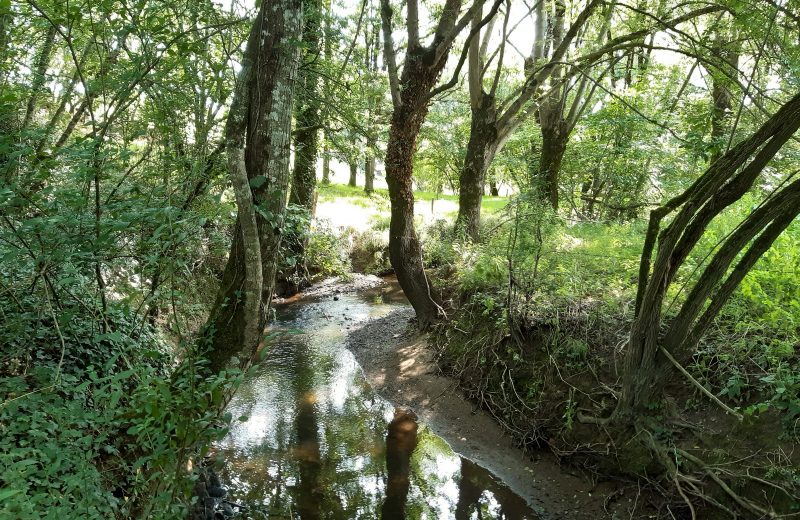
<point>307,112</point>
<point>372,43</point>
<point>309,121</point>
<point>490,129</point>
<point>650,352</point>
<point>494,129</point>
<point>257,137</point>
<point>411,94</point>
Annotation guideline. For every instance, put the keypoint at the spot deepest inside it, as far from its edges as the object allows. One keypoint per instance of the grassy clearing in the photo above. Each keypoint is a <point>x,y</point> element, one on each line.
<point>357,196</point>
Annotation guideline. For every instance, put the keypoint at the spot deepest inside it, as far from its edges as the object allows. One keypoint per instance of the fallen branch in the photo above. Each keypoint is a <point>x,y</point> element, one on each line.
<point>697,384</point>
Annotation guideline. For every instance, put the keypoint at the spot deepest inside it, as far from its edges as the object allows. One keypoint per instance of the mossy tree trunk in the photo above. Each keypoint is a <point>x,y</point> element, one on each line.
<point>308,118</point>
<point>481,149</point>
<point>257,135</point>
<point>411,95</point>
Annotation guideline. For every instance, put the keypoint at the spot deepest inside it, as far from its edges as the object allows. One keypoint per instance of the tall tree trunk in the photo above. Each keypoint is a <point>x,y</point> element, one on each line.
<point>307,114</point>
<point>353,173</point>
<point>481,149</point>
<point>554,145</point>
<point>369,172</point>
<point>372,44</point>
<point>308,118</point>
<point>411,95</point>
<point>405,250</point>
<point>257,141</point>
<point>493,191</point>
<point>551,118</point>
<point>327,52</point>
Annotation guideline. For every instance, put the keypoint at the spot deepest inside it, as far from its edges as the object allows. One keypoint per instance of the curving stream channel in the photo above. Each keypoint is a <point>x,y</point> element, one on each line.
<point>318,442</point>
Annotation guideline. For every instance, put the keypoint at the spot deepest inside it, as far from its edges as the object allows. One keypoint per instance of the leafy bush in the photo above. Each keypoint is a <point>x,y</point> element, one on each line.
<point>325,253</point>
<point>438,243</point>
<point>99,423</point>
<point>369,251</point>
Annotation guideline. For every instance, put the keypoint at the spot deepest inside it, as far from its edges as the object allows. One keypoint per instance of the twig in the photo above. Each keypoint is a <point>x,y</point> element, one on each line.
<point>697,384</point>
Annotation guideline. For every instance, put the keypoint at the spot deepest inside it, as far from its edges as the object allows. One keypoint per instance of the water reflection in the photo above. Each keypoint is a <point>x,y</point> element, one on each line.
<point>401,441</point>
<point>319,443</point>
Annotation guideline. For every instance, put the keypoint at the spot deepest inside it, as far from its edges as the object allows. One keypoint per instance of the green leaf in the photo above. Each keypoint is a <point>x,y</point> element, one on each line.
<point>7,493</point>
<point>258,181</point>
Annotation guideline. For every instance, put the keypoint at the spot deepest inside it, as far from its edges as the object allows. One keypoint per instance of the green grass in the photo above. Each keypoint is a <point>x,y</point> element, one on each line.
<point>329,192</point>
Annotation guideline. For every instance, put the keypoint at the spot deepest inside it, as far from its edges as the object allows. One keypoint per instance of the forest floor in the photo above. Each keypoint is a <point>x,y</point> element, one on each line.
<point>401,367</point>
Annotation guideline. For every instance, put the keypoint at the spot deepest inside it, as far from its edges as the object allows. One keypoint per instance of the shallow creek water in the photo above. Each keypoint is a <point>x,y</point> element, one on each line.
<point>319,443</point>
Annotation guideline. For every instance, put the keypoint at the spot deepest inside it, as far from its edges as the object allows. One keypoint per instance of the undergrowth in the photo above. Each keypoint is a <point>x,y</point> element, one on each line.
<point>539,317</point>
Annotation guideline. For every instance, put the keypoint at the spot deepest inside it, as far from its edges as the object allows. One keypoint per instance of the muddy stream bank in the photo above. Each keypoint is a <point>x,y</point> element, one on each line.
<point>346,418</point>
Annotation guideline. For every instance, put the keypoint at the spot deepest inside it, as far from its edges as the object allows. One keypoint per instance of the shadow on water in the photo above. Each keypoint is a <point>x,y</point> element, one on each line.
<point>319,443</point>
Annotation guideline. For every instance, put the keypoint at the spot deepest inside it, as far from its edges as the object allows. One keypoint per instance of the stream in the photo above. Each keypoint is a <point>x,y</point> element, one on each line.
<point>318,442</point>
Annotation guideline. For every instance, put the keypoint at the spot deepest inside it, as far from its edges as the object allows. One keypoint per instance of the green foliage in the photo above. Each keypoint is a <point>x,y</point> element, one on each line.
<point>324,253</point>
<point>99,423</point>
<point>369,251</point>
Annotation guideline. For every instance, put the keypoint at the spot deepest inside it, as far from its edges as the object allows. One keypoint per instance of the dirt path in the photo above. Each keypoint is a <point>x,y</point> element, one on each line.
<point>400,367</point>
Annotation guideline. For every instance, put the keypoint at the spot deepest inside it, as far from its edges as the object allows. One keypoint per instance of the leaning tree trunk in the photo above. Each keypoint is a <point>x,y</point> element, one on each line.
<point>257,142</point>
<point>724,183</point>
<point>481,149</point>
<point>405,250</point>
<point>411,95</point>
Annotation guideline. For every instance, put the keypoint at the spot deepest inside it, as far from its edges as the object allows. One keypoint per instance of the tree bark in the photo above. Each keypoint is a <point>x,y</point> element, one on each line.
<point>372,45</point>
<point>257,140</point>
<point>307,114</point>
<point>554,146</point>
<point>723,183</point>
<point>405,250</point>
<point>308,118</point>
<point>481,149</point>
<point>369,173</point>
<point>353,173</point>
<point>411,95</point>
